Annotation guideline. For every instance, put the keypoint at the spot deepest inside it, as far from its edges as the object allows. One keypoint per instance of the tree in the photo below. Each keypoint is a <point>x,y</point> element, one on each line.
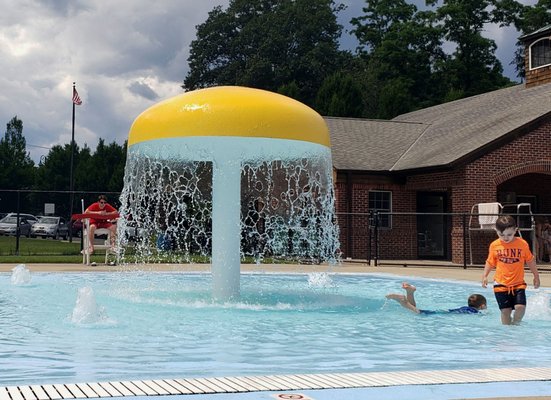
<point>340,95</point>
<point>16,166</point>
<point>290,90</point>
<point>267,44</point>
<point>53,175</point>
<point>107,164</point>
<point>403,53</point>
<point>473,67</point>
<point>526,19</point>
<point>101,171</point>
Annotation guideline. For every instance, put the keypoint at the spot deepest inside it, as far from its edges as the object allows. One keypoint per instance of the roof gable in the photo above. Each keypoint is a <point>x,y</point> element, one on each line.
<point>370,145</point>
<point>436,136</point>
<point>459,128</point>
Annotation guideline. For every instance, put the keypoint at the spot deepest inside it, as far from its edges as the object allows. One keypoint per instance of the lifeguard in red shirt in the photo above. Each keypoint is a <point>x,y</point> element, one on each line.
<point>103,208</point>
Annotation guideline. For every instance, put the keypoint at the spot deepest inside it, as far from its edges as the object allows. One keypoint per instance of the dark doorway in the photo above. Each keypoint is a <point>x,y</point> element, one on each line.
<point>432,230</point>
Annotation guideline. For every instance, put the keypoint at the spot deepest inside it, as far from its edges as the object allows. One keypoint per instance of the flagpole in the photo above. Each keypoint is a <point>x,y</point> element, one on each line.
<point>71,187</point>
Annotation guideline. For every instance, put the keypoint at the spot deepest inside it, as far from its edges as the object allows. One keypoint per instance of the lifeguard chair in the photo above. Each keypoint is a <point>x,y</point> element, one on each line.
<point>106,245</point>
<point>484,215</point>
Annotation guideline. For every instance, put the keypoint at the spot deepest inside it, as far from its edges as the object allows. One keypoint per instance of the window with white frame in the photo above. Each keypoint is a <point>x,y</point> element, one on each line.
<point>540,53</point>
<point>381,200</point>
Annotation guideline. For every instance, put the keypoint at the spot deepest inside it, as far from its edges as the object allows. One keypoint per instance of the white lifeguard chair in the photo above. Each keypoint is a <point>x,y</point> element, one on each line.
<point>483,217</point>
<point>106,245</point>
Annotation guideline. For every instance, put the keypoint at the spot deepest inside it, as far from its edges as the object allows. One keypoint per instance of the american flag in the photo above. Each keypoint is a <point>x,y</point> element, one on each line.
<point>76,98</point>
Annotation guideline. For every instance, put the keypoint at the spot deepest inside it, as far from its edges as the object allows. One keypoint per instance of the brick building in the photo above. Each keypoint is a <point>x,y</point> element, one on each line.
<point>494,147</point>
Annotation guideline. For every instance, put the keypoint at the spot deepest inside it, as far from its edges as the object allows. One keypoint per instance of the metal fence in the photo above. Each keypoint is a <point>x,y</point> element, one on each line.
<point>373,237</point>
<point>21,203</point>
<point>429,238</point>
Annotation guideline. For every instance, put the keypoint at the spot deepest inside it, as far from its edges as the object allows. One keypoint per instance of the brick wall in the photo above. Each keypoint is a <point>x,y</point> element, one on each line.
<point>522,165</point>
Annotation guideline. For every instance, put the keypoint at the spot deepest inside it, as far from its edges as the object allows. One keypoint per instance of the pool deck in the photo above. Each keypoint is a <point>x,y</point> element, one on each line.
<point>312,386</point>
<point>452,384</point>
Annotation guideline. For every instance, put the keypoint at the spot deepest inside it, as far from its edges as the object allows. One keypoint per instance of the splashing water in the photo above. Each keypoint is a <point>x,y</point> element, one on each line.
<point>20,275</point>
<point>320,280</point>
<point>539,306</point>
<point>284,207</point>
<point>86,310</point>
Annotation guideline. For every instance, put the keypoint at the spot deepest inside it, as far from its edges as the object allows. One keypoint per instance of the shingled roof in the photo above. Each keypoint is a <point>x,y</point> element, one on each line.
<point>438,136</point>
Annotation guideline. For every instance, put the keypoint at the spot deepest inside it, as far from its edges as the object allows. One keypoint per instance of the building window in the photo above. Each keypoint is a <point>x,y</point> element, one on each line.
<point>380,200</point>
<point>540,53</point>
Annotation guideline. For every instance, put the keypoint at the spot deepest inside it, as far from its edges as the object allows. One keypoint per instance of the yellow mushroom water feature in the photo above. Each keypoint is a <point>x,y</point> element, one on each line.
<point>230,172</point>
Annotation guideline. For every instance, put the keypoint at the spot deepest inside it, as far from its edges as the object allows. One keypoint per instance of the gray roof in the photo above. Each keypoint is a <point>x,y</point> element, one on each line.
<point>534,34</point>
<point>372,145</point>
<point>436,136</point>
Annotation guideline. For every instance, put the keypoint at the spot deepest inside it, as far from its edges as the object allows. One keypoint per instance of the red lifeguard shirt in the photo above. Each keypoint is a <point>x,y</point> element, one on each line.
<point>96,207</point>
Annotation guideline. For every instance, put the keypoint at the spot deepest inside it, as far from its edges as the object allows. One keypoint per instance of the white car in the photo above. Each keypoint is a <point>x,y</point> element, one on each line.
<point>54,227</point>
<point>8,224</point>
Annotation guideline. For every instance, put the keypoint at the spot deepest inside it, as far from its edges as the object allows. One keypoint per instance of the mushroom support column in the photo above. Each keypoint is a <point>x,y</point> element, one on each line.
<point>226,227</point>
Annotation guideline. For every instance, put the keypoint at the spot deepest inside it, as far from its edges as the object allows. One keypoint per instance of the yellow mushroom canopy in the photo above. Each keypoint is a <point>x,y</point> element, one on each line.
<point>230,111</point>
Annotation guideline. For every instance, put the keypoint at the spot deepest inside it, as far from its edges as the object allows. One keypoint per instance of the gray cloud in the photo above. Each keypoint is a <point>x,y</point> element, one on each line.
<point>143,90</point>
<point>124,55</point>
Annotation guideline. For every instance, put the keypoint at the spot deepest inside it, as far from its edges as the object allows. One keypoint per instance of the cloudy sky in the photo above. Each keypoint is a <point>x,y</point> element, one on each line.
<point>124,56</point>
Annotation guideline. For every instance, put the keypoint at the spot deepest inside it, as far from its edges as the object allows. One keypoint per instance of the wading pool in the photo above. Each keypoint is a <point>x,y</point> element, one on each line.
<point>86,327</point>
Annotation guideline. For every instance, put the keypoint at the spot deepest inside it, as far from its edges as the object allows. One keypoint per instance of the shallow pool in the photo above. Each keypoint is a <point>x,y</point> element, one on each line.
<point>165,325</point>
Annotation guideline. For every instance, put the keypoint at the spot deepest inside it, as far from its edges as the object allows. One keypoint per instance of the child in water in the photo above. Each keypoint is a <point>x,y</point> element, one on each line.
<point>476,302</point>
<point>508,255</point>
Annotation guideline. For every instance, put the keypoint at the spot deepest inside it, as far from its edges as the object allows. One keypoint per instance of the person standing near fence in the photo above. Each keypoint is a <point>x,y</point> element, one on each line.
<point>507,255</point>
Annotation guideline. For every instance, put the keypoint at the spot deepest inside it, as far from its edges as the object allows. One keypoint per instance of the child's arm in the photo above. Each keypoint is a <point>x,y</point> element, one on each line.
<point>487,269</point>
<point>533,268</point>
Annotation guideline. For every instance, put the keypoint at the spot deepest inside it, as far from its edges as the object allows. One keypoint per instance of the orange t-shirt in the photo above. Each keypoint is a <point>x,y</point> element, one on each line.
<point>509,259</point>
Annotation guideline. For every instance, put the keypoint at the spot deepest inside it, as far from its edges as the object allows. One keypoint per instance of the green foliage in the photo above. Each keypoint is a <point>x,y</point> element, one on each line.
<point>39,247</point>
<point>526,19</point>
<point>473,67</point>
<point>101,171</point>
<point>402,49</point>
<point>267,44</point>
<point>340,95</point>
<point>290,90</point>
<point>16,166</point>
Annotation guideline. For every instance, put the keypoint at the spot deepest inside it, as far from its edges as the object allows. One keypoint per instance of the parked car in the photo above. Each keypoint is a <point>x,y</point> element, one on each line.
<point>54,227</point>
<point>8,224</point>
<point>29,217</point>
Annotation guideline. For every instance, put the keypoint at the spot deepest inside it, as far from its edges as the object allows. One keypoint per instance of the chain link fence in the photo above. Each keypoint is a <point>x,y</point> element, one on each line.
<point>375,238</point>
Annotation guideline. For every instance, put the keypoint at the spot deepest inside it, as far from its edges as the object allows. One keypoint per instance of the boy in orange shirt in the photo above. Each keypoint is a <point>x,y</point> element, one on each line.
<point>508,255</point>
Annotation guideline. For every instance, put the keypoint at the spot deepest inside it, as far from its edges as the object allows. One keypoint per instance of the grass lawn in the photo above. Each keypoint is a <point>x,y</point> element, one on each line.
<point>62,252</point>
<point>39,250</point>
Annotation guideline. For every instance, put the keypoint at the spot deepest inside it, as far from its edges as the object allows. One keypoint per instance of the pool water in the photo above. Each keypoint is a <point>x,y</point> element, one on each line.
<point>165,325</point>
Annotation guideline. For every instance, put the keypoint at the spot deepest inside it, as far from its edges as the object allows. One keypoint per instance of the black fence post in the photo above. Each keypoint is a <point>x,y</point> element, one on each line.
<point>376,237</point>
<point>18,222</point>
<point>369,236</point>
<point>464,224</point>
